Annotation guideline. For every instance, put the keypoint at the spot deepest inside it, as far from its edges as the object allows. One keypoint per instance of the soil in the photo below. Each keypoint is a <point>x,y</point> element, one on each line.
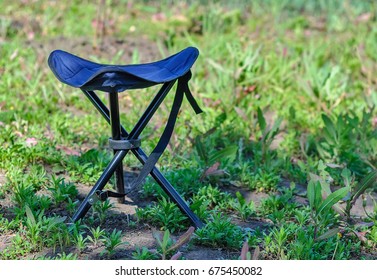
<point>110,48</point>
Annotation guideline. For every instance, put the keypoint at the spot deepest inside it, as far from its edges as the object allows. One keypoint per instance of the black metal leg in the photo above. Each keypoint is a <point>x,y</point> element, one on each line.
<point>149,112</point>
<point>140,154</point>
<point>116,135</point>
<point>100,184</point>
<point>169,189</point>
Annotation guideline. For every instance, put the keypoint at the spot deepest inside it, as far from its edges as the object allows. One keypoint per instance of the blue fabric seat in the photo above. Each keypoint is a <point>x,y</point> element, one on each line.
<point>81,73</point>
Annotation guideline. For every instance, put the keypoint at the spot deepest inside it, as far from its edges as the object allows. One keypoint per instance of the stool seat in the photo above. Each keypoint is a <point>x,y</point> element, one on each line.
<point>81,73</point>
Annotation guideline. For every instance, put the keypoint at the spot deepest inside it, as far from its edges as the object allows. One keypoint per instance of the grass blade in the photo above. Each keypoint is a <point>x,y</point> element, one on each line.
<point>228,152</point>
<point>261,120</point>
<point>330,129</point>
<point>332,199</point>
<point>314,194</point>
<point>367,182</point>
<point>311,193</point>
<point>328,234</point>
<point>30,215</point>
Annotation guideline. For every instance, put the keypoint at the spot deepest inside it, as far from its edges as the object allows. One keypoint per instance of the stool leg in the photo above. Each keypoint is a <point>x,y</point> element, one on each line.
<point>100,184</point>
<point>116,135</point>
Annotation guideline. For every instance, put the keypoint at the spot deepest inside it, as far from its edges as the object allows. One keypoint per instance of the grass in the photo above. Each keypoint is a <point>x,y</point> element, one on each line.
<point>284,156</point>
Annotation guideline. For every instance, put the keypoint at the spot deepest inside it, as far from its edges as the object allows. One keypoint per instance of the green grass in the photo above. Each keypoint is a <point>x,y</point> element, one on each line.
<point>289,92</point>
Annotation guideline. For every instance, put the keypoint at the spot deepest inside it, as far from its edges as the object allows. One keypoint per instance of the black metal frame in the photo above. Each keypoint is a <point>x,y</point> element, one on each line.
<point>115,166</point>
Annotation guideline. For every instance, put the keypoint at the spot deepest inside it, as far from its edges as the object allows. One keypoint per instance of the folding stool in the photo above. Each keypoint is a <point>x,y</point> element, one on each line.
<point>90,77</point>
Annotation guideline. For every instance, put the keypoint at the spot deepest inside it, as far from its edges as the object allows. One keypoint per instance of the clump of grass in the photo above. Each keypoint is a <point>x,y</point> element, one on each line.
<point>112,241</point>
<point>164,214</point>
<point>219,232</point>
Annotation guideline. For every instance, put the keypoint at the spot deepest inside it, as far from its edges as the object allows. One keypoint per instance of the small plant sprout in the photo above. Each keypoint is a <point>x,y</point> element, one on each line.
<point>100,208</point>
<point>144,254</point>
<point>244,209</point>
<point>97,235</point>
<point>62,191</point>
<point>164,214</point>
<point>112,241</point>
<point>167,246</point>
<point>220,232</point>
<point>80,241</point>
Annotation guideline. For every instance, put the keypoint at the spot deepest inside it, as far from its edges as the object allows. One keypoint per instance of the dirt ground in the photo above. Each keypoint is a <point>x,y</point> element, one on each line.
<point>110,48</point>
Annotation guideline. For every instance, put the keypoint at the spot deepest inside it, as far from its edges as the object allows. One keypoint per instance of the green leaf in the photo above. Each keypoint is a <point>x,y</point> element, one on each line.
<point>329,129</point>
<point>346,175</point>
<point>292,113</point>
<point>332,199</point>
<point>328,234</point>
<point>228,152</point>
<point>218,66</point>
<point>311,193</point>
<point>55,221</point>
<point>340,124</point>
<point>30,215</point>
<point>261,120</point>
<point>321,166</point>
<point>314,194</point>
<point>166,239</point>
<point>367,182</point>
<point>318,194</point>
<point>275,128</point>
<point>302,166</point>
<point>200,149</point>
<point>240,198</point>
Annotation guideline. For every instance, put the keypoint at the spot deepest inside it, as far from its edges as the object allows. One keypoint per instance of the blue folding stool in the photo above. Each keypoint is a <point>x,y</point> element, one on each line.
<point>90,77</point>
